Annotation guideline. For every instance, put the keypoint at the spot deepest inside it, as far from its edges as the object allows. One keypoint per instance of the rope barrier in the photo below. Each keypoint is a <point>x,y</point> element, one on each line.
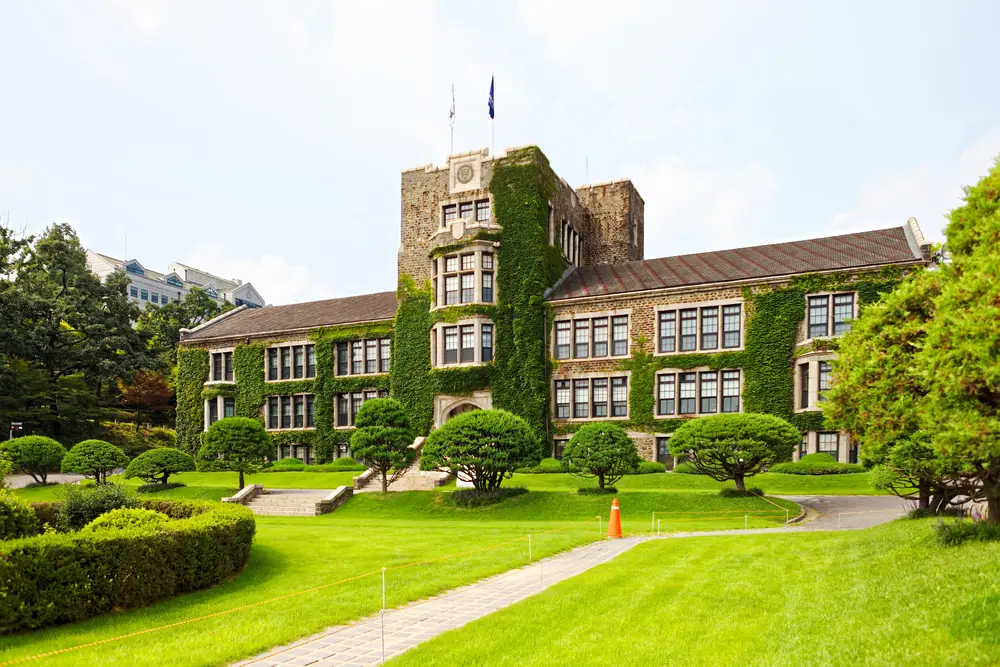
<point>252,605</point>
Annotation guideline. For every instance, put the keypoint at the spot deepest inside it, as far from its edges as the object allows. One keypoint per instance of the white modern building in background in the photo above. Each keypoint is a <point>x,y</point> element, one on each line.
<point>147,287</point>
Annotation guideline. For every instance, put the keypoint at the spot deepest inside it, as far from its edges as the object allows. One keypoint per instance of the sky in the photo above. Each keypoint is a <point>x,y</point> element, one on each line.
<point>264,140</point>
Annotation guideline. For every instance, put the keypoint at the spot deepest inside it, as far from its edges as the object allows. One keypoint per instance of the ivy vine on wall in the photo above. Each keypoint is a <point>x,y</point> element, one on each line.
<point>192,372</point>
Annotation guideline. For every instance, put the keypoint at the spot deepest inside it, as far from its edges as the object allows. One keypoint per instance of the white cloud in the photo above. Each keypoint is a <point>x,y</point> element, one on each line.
<point>278,280</point>
<point>699,207</point>
<point>926,191</point>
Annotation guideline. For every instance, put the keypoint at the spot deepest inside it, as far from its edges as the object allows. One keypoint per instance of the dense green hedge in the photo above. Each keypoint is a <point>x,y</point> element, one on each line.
<point>65,577</point>
<point>192,372</point>
<point>817,464</point>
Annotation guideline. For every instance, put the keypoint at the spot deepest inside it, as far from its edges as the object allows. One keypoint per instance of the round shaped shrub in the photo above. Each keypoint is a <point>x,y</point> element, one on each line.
<point>17,519</point>
<point>157,465</point>
<point>288,463</point>
<point>34,455</point>
<point>83,504</point>
<point>602,450</point>
<point>128,517</point>
<point>239,444</point>
<point>94,458</point>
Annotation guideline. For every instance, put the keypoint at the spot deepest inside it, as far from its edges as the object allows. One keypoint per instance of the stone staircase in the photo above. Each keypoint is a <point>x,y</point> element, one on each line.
<point>292,502</point>
<point>414,479</point>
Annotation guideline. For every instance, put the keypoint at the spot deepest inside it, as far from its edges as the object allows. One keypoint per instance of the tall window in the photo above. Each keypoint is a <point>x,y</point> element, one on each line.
<point>731,326</point>
<point>600,337</point>
<point>804,445</point>
<point>581,399</point>
<point>666,387</point>
<point>299,362</point>
<point>843,313</point>
<point>709,392</point>
<point>347,405</point>
<point>213,412</point>
<point>562,399</point>
<point>451,345</point>
<point>710,328</point>
<point>449,213</point>
<point>468,287</point>
<point>688,392</point>
<point>803,386</point>
<point>562,340</point>
<point>487,287</point>
<point>384,346</point>
<point>819,308</point>
<point>483,210</point>
<point>827,443</point>
<point>668,330</point>
<point>619,335</point>
<point>619,397</point>
<point>689,330</point>
<point>371,356</point>
<point>310,361</point>
<point>730,391</point>
<point>229,407</point>
<point>581,338</point>
<point>465,210</point>
<point>286,363</point>
<point>286,412</point>
<point>296,360</point>
<point>357,357</point>
<point>450,290</point>
<point>600,397</point>
<point>825,378</point>
<point>310,411</point>
<point>487,342</point>
<point>342,359</point>
<point>299,402</point>
<point>468,352</point>
<point>272,412</point>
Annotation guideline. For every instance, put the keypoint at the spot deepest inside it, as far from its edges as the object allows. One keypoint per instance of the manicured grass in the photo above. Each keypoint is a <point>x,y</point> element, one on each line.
<point>883,596</point>
<point>772,483</point>
<point>370,531</point>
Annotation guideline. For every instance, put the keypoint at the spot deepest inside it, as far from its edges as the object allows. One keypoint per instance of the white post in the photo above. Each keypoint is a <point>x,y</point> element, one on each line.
<point>652,522</point>
<point>382,617</point>
<point>600,524</point>
<point>746,521</point>
<point>529,548</point>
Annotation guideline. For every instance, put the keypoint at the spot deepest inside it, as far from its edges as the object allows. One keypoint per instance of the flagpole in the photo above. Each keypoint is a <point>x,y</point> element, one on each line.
<point>493,120</point>
<point>452,121</point>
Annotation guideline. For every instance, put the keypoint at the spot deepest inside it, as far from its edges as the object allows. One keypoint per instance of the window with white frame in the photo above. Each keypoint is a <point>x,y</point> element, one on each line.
<point>829,314</point>
<point>682,393</point>
<point>463,278</point>
<point>828,442</point>
<point>297,411</point>
<point>591,398</point>
<point>699,328</point>
<point>286,362</point>
<point>346,405</point>
<point>588,337</point>
<point>466,210</point>
<point>468,342</point>
<point>825,379</point>
<point>363,357</point>
<point>222,367</point>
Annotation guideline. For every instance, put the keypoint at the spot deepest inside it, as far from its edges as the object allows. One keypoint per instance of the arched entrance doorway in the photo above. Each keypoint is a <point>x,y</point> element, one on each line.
<point>461,409</point>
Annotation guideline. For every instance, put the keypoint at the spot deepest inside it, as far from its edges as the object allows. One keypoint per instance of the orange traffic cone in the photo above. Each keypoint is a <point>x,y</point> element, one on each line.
<point>615,520</point>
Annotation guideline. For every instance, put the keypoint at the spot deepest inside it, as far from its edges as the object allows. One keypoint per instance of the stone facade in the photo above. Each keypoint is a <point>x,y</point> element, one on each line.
<point>616,222</point>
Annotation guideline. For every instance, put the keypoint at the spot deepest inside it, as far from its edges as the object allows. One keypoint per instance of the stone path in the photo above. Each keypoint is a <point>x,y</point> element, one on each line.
<point>360,643</point>
<point>21,481</point>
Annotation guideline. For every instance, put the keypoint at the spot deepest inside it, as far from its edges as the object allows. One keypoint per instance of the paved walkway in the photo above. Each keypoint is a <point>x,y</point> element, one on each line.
<point>21,481</point>
<point>360,643</point>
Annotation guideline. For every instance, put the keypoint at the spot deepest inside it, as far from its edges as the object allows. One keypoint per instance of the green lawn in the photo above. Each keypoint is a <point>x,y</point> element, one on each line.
<point>772,483</point>
<point>370,531</point>
<point>883,596</point>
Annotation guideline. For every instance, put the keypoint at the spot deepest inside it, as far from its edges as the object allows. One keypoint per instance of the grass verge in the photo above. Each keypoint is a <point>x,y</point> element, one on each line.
<point>772,483</point>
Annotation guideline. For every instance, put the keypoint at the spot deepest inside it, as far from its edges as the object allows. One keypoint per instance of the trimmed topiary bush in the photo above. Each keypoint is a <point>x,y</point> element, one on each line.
<point>483,447</point>
<point>34,455</point>
<point>546,467</point>
<point>66,577</point>
<point>735,445</point>
<point>128,517</point>
<point>816,464</point>
<point>602,450</point>
<point>157,465</point>
<point>158,488</point>
<point>94,458</point>
<point>17,518</point>
<point>292,463</point>
<point>650,467</point>
<point>83,504</point>
<point>239,444</point>
<point>382,439</point>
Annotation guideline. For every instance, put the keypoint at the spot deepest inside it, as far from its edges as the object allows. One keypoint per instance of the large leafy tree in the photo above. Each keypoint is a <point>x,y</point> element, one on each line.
<point>482,447</point>
<point>961,359</point>
<point>149,391</point>
<point>34,455</point>
<point>734,446</point>
<point>382,439</point>
<point>157,465</point>
<point>94,458</point>
<point>239,444</point>
<point>602,450</point>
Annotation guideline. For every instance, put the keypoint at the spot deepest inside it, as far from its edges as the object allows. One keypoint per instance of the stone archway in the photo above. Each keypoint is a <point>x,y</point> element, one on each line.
<point>461,409</point>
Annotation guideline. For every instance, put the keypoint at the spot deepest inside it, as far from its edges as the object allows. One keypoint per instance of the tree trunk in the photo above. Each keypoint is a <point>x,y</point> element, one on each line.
<point>738,478</point>
<point>241,479</point>
<point>137,417</point>
<point>992,490</point>
<point>600,482</point>
<point>924,495</point>
<point>385,482</point>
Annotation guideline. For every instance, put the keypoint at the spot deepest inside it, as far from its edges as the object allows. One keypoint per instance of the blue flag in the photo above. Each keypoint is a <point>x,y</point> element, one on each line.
<point>491,97</point>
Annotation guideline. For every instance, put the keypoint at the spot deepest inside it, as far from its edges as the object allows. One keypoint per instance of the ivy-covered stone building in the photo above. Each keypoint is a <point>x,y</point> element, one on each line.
<point>517,291</point>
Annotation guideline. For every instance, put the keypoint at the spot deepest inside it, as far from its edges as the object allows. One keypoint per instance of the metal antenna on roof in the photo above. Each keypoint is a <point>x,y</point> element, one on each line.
<point>586,170</point>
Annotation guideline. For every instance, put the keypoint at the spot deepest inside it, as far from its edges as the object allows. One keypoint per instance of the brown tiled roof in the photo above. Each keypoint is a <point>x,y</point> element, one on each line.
<point>833,253</point>
<point>256,321</point>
